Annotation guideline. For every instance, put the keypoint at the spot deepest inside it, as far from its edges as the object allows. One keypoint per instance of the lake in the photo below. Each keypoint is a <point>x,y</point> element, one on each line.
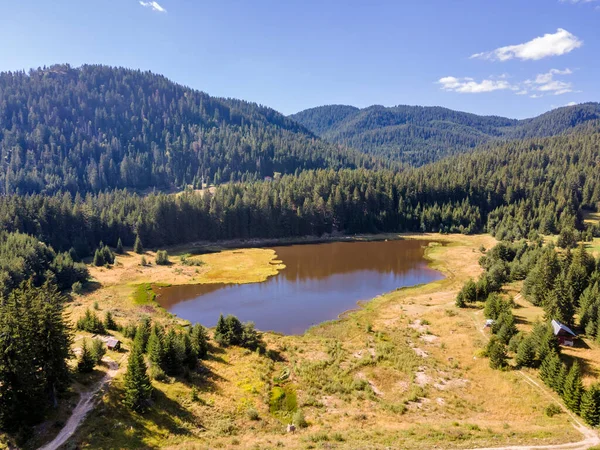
<point>320,282</point>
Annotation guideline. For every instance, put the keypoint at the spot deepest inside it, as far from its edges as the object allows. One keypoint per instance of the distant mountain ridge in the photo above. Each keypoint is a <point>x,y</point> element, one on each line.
<point>96,127</point>
<point>418,135</point>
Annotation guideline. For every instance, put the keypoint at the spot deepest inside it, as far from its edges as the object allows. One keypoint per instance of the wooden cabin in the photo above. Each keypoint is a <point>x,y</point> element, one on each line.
<point>113,344</point>
<point>563,333</point>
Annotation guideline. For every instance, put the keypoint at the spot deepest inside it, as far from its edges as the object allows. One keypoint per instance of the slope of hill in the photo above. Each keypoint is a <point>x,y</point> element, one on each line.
<point>98,127</point>
<point>419,135</point>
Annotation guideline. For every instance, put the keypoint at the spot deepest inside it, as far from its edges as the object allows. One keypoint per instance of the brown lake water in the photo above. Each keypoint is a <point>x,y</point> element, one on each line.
<point>320,282</point>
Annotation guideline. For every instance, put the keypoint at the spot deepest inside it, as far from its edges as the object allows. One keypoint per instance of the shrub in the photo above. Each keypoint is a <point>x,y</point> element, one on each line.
<point>77,287</point>
<point>162,258</point>
<point>252,414</point>
<point>143,261</point>
<point>299,420</point>
<point>552,410</point>
<point>156,373</point>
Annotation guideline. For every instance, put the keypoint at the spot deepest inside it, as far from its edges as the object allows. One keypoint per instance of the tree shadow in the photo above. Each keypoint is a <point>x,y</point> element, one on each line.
<point>588,366</point>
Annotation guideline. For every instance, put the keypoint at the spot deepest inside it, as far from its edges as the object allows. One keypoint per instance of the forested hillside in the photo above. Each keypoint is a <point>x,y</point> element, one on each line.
<point>510,190</point>
<point>98,127</point>
<point>419,135</point>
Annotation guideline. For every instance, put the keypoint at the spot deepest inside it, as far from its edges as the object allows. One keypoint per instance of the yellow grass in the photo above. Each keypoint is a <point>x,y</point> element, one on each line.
<point>402,372</point>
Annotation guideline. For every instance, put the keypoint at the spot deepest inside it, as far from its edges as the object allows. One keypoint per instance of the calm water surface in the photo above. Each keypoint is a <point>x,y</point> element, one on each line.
<point>320,282</point>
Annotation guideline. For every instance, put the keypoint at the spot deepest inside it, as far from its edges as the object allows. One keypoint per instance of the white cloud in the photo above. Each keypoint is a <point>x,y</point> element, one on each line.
<point>543,84</point>
<point>571,104</point>
<point>556,44</point>
<point>154,5</point>
<point>546,83</point>
<point>470,86</point>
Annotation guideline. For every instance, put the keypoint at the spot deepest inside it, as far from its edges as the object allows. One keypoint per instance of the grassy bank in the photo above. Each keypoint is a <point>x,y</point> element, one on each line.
<point>401,372</point>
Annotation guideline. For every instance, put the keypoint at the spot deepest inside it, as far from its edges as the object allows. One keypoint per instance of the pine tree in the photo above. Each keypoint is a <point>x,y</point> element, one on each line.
<point>137,246</point>
<point>573,388</point>
<point>589,408</point>
<point>155,347</point>
<point>190,358</point>
<point>98,350</point>
<point>558,304</point>
<point>526,353</point>
<point>199,340</point>
<point>119,248</point>
<point>221,331</point>
<point>99,258</point>
<point>86,361</point>
<point>143,331</point>
<point>173,356</point>
<point>109,322</point>
<point>496,351</point>
<point>138,388</point>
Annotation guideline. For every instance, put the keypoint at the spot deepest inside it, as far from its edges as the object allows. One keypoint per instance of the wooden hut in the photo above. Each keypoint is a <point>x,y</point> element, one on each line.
<point>563,333</point>
<point>113,344</point>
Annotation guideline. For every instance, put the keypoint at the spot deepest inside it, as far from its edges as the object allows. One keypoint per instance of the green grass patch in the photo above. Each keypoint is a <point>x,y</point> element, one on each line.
<point>143,294</point>
<point>283,402</point>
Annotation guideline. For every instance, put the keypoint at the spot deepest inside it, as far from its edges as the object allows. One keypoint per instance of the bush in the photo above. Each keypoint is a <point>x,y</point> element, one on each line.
<point>77,287</point>
<point>552,410</point>
<point>156,373</point>
<point>252,414</point>
<point>143,261</point>
<point>162,258</point>
<point>190,262</point>
<point>299,420</point>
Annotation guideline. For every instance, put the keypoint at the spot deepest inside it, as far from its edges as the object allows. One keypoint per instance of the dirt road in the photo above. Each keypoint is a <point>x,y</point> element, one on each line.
<point>85,405</point>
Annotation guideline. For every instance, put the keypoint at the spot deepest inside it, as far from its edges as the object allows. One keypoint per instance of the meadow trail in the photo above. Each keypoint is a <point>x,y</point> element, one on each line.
<point>84,406</point>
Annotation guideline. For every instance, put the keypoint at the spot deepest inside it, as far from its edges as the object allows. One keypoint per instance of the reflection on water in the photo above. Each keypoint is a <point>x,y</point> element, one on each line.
<point>320,282</point>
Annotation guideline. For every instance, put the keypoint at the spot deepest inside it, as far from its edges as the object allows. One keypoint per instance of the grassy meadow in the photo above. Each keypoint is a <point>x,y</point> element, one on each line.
<point>403,371</point>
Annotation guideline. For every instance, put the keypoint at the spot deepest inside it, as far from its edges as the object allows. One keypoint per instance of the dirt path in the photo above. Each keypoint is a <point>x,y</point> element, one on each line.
<point>590,437</point>
<point>84,406</point>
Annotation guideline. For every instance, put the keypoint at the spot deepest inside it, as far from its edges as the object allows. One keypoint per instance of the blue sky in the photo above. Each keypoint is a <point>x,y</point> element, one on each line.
<point>515,58</point>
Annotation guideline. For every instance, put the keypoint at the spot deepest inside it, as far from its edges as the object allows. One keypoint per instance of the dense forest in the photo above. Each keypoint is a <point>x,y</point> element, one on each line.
<point>97,127</point>
<point>510,190</point>
<point>419,135</point>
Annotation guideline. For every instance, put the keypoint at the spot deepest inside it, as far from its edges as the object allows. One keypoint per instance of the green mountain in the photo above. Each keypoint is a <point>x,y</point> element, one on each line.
<point>419,135</point>
<point>97,127</point>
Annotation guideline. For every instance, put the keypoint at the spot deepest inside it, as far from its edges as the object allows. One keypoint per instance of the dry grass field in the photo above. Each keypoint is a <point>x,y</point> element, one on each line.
<point>404,371</point>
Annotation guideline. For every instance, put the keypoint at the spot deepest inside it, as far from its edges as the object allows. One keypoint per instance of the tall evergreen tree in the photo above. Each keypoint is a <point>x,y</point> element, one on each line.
<point>119,248</point>
<point>589,408</point>
<point>573,388</point>
<point>137,246</point>
<point>86,361</point>
<point>138,388</point>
